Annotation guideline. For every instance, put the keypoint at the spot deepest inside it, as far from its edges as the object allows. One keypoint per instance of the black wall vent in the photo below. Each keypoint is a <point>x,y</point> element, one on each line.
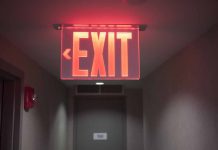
<point>87,89</point>
<point>111,89</point>
<point>99,89</point>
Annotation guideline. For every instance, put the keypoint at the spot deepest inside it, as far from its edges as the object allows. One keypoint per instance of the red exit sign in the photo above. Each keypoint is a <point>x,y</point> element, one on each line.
<point>100,52</point>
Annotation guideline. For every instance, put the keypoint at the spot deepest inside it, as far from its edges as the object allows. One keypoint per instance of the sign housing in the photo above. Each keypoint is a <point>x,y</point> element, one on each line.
<point>100,52</point>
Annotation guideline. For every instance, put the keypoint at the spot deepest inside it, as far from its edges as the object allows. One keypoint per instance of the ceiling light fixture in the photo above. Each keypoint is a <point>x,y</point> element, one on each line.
<point>99,83</point>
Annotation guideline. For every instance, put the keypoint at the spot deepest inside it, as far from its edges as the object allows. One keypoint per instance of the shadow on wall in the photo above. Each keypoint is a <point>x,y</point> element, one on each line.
<point>180,99</point>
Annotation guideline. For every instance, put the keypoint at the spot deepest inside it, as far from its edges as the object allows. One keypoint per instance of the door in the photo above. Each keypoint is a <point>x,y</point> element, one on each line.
<point>1,96</point>
<point>9,114</point>
<point>100,123</point>
<point>7,118</point>
<point>10,105</point>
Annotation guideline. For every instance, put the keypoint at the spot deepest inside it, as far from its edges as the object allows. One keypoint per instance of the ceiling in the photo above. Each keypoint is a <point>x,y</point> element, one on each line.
<point>171,25</point>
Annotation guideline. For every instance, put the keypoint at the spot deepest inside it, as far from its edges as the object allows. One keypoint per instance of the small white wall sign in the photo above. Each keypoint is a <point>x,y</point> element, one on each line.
<point>100,136</point>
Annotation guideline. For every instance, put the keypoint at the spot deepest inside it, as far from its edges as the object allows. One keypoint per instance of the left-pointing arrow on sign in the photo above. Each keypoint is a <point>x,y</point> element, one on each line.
<point>66,54</point>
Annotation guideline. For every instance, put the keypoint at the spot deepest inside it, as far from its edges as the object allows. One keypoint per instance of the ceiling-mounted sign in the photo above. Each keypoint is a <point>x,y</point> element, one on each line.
<point>100,52</point>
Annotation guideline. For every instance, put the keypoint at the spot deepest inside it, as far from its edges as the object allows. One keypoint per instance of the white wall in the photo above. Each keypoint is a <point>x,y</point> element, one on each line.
<point>181,99</point>
<point>43,127</point>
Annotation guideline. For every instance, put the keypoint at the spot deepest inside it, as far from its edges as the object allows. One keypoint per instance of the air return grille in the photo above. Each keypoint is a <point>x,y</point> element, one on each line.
<point>102,89</point>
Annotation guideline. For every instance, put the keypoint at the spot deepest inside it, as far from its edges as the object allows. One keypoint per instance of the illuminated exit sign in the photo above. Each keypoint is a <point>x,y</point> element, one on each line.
<point>100,52</point>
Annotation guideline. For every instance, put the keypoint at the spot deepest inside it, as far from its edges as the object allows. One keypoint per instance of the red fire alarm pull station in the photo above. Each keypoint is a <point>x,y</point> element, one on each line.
<point>29,98</point>
<point>100,52</point>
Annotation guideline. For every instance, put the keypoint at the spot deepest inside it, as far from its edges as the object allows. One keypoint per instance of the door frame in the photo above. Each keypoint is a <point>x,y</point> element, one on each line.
<point>10,73</point>
<point>119,97</point>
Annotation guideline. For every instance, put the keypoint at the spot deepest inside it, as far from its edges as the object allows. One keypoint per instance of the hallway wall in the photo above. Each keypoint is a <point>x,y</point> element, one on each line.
<point>134,110</point>
<point>43,127</point>
<point>181,99</point>
<point>134,118</point>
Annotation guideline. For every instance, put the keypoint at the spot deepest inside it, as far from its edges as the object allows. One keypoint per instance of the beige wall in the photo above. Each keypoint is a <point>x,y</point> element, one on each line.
<point>181,99</point>
<point>43,127</point>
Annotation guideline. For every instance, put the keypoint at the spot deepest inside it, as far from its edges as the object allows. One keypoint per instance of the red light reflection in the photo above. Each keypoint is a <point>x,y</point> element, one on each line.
<point>77,53</point>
